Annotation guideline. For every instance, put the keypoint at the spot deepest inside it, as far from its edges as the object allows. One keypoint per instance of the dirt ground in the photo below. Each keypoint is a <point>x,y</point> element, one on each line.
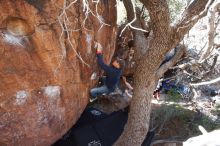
<point>173,122</point>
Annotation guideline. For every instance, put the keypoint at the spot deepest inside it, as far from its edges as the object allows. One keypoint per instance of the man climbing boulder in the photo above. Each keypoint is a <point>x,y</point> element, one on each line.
<point>112,72</point>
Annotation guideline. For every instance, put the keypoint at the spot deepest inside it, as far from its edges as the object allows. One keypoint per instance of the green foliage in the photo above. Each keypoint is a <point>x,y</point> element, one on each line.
<point>204,121</point>
<point>208,124</point>
<point>167,112</point>
<point>188,120</point>
<point>216,110</point>
<point>173,95</point>
<point>217,106</point>
<point>176,8</point>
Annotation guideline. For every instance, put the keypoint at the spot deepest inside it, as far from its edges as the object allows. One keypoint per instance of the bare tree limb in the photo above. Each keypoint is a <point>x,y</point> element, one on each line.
<point>204,75</point>
<point>191,17</point>
<point>191,12</point>
<point>141,43</point>
<point>63,20</point>
<point>130,5</point>
<point>217,46</point>
<point>211,33</point>
<point>180,50</point>
<point>206,82</point>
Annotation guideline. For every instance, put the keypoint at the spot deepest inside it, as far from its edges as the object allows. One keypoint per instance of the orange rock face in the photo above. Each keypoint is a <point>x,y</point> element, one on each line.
<point>46,63</point>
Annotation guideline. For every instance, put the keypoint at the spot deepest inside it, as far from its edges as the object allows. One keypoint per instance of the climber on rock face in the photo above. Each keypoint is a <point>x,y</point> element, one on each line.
<point>113,74</point>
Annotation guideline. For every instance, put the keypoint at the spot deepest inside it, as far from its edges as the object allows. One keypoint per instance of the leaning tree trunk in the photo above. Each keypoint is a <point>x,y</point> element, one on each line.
<point>165,37</point>
<point>47,59</point>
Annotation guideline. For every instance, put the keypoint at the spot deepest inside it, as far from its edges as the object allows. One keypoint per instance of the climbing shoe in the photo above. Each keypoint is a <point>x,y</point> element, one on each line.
<point>91,99</point>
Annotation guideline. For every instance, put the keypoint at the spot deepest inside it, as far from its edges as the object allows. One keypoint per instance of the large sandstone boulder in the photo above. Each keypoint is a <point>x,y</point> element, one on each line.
<point>45,72</point>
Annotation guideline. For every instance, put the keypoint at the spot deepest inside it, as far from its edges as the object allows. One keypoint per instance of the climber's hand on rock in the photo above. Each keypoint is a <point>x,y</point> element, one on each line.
<point>98,47</point>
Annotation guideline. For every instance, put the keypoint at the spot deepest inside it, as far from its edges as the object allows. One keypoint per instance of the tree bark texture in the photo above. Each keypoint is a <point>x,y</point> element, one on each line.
<point>139,36</point>
<point>165,37</point>
<point>44,79</point>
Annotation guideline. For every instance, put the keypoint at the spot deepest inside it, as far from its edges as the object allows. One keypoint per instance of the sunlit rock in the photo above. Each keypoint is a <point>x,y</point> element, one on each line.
<point>46,68</point>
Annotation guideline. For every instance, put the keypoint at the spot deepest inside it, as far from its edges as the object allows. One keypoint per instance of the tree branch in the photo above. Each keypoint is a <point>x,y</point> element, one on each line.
<point>212,32</point>
<point>191,12</point>
<point>217,46</point>
<point>207,73</point>
<point>195,11</point>
<point>141,43</point>
<point>180,50</point>
<point>206,82</point>
<point>128,5</point>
